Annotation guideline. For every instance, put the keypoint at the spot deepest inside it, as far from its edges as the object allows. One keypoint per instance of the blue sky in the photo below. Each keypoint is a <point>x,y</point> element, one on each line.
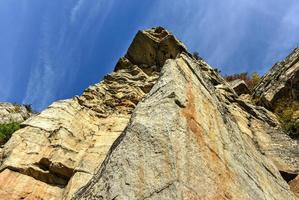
<point>54,49</point>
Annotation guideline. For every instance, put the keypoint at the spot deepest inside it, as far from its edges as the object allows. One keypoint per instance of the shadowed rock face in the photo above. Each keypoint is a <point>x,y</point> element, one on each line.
<point>279,89</point>
<point>240,87</point>
<point>282,81</point>
<point>163,125</point>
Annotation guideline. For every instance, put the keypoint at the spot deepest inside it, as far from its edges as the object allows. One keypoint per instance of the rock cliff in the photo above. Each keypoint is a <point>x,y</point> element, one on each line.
<point>192,137</point>
<point>282,81</point>
<point>279,92</point>
<point>240,87</point>
<point>59,150</point>
<point>13,113</point>
<point>163,125</point>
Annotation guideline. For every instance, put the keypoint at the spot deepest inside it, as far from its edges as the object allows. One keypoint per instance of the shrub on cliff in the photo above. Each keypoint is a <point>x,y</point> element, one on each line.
<point>250,79</point>
<point>197,56</point>
<point>285,109</point>
<point>6,131</point>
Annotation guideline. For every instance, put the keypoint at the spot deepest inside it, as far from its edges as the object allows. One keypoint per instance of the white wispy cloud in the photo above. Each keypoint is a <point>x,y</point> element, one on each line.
<point>42,75</point>
<point>217,29</point>
<point>58,61</point>
<point>75,10</point>
<point>220,29</point>
<point>211,26</point>
<point>286,38</point>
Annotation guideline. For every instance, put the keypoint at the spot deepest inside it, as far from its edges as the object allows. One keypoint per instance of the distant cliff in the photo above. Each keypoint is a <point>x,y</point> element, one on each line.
<point>14,113</point>
<point>11,115</point>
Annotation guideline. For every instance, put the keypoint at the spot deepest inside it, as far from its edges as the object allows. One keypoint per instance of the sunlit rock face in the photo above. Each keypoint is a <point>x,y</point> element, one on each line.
<point>13,113</point>
<point>59,150</point>
<point>163,125</point>
<point>192,137</point>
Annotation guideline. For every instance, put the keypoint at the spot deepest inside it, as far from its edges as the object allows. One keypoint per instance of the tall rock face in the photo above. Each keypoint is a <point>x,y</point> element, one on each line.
<point>192,137</point>
<point>163,125</point>
<point>279,92</point>
<point>59,150</point>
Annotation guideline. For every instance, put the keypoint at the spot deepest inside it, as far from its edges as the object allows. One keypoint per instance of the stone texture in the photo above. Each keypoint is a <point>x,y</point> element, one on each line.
<point>15,186</point>
<point>282,81</point>
<point>60,149</point>
<point>294,184</point>
<point>240,87</point>
<point>189,139</point>
<point>279,88</point>
<point>13,113</point>
<point>163,125</point>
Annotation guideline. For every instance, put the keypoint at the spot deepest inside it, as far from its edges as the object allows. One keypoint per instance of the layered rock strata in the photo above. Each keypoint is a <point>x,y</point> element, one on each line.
<point>163,125</point>
<point>13,113</point>
<point>58,151</point>
<point>193,138</point>
<point>282,81</point>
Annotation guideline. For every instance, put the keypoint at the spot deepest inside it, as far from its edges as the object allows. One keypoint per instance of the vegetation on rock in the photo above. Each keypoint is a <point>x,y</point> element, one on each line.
<point>250,79</point>
<point>197,56</point>
<point>6,131</point>
<point>285,109</point>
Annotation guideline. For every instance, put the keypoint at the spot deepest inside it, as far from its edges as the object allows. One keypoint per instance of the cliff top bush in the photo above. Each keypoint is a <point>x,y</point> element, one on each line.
<point>285,109</point>
<point>250,79</point>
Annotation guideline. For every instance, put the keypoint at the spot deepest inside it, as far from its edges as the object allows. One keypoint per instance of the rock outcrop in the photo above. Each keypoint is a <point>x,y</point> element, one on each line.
<point>163,125</point>
<point>282,81</point>
<point>13,113</point>
<point>59,150</point>
<point>294,184</point>
<point>193,138</point>
<point>279,91</point>
<point>240,87</point>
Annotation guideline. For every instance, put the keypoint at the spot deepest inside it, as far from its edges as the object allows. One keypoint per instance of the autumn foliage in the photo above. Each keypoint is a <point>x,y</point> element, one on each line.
<point>250,79</point>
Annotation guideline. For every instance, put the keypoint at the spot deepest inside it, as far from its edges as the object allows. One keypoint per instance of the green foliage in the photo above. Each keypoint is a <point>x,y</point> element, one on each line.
<point>6,131</point>
<point>250,79</point>
<point>286,109</point>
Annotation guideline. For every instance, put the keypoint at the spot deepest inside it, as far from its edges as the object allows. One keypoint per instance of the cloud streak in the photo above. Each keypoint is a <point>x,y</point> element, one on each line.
<point>228,33</point>
<point>60,51</point>
<point>75,10</point>
<point>71,44</point>
<point>42,76</point>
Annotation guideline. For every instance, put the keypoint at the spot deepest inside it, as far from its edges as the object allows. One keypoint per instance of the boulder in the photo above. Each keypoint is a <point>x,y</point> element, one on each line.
<point>240,87</point>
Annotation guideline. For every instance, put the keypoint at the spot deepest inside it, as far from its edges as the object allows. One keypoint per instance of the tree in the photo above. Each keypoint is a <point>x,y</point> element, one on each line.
<point>251,80</point>
<point>196,55</point>
<point>217,70</point>
<point>255,79</point>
